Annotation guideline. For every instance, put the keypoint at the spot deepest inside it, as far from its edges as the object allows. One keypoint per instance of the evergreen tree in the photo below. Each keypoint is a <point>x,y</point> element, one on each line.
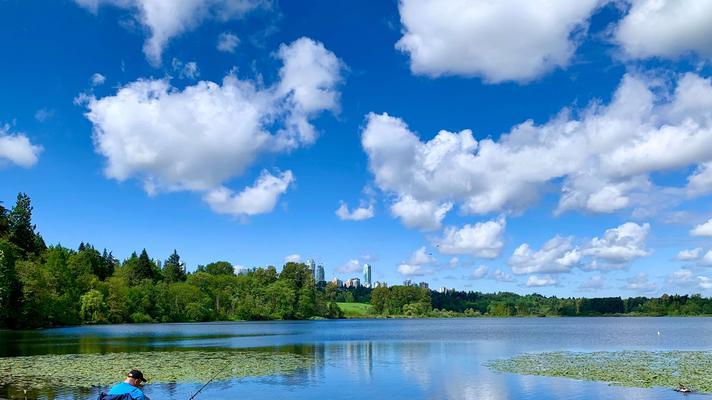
<point>174,269</point>
<point>145,268</point>
<point>22,231</point>
<point>10,290</point>
<point>4,222</point>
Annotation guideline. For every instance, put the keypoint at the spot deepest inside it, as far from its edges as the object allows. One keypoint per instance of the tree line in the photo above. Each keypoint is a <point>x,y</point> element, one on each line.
<point>43,286</point>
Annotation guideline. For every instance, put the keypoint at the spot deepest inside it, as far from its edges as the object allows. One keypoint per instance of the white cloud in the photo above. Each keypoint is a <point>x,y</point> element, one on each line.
<point>700,182</point>
<point>706,259</point>
<point>618,246</point>
<point>496,40</point>
<point>593,283</point>
<point>689,255</point>
<point>557,255</point>
<point>453,262</point>
<point>97,79</point>
<point>414,265</point>
<point>478,273</point>
<point>293,258</point>
<point>535,281</point>
<point>482,240</point>
<point>424,215</point>
<point>421,257</point>
<point>166,19</point>
<point>703,229</point>
<point>259,198</point>
<point>358,214</point>
<point>502,276</point>
<point>350,266</point>
<point>640,283</point>
<point>187,70</point>
<point>666,28</point>
<point>16,148</point>
<point>201,136</point>
<point>412,270</point>
<point>227,42</point>
<point>603,155</point>
<point>681,277</point>
<point>704,282</point>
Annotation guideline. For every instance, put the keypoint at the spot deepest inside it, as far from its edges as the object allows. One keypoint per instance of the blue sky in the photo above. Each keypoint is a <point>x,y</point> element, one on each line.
<point>562,149</point>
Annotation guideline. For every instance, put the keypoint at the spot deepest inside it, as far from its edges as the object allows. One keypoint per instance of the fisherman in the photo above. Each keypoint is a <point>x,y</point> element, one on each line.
<point>129,389</point>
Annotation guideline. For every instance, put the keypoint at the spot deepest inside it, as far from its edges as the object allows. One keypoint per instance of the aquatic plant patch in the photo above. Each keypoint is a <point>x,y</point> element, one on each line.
<point>626,368</point>
<point>89,370</point>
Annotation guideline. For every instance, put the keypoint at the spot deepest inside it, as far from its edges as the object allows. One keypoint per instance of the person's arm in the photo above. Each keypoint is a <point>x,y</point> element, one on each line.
<point>138,395</point>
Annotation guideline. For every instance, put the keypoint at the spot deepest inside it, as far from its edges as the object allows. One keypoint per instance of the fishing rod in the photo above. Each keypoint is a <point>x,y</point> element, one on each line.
<point>211,379</point>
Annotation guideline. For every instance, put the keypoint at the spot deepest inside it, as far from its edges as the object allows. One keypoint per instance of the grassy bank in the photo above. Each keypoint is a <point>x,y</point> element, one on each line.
<point>356,310</point>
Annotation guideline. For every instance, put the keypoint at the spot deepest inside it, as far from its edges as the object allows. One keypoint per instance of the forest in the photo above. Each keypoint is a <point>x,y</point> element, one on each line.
<point>45,286</point>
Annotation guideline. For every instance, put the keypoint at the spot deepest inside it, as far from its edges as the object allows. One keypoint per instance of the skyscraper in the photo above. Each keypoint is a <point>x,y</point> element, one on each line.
<point>367,275</point>
<point>320,274</point>
<point>312,267</point>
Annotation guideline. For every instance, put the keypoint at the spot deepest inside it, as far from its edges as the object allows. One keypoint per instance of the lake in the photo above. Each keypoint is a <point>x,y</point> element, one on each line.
<point>387,358</point>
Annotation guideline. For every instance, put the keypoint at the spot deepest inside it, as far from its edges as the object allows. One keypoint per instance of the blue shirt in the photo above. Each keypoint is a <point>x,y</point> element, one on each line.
<point>125,388</point>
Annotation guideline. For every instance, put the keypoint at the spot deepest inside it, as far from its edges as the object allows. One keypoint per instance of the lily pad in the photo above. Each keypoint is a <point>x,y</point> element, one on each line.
<point>90,370</point>
<point>626,368</point>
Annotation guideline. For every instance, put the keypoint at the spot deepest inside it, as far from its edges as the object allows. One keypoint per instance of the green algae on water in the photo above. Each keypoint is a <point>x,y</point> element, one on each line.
<point>90,370</point>
<point>625,368</point>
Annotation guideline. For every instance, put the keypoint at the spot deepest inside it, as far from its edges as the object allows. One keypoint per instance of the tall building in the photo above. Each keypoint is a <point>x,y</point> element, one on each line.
<point>320,274</point>
<point>352,283</point>
<point>367,275</point>
<point>423,285</point>
<point>312,267</point>
<point>337,282</point>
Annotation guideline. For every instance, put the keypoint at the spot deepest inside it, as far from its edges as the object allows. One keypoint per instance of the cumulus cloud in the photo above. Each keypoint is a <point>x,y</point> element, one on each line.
<point>593,283</point>
<point>496,40</point>
<point>681,277</point>
<point>700,182</point>
<point>187,70</point>
<point>259,198</point>
<point>702,229</point>
<point>201,136</point>
<point>536,281</point>
<point>502,276</point>
<point>421,257</point>
<point>603,155</point>
<point>666,28</point>
<point>706,260</point>
<point>640,283</point>
<point>350,266</point>
<point>482,240</point>
<point>704,282</point>
<point>478,273</point>
<point>293,258</point>
<point>415,264</point>
<point>689,255</point>
<point>227,42</point>
<point>412,270</point>
<point>618,246</point>
<point>358,214</point>
<point>166,19</point>
<point>424,215</point>
<point>615,250</point>
<point>97,79</point>
<point>557,255</point>
<point>16,148</point>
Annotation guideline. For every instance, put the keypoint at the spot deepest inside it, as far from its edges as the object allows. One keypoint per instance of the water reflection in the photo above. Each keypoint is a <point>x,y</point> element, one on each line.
<point>418,359</point>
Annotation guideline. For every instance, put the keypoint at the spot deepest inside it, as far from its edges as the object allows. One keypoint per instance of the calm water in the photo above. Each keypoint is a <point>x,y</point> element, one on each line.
<point>389,359</point>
